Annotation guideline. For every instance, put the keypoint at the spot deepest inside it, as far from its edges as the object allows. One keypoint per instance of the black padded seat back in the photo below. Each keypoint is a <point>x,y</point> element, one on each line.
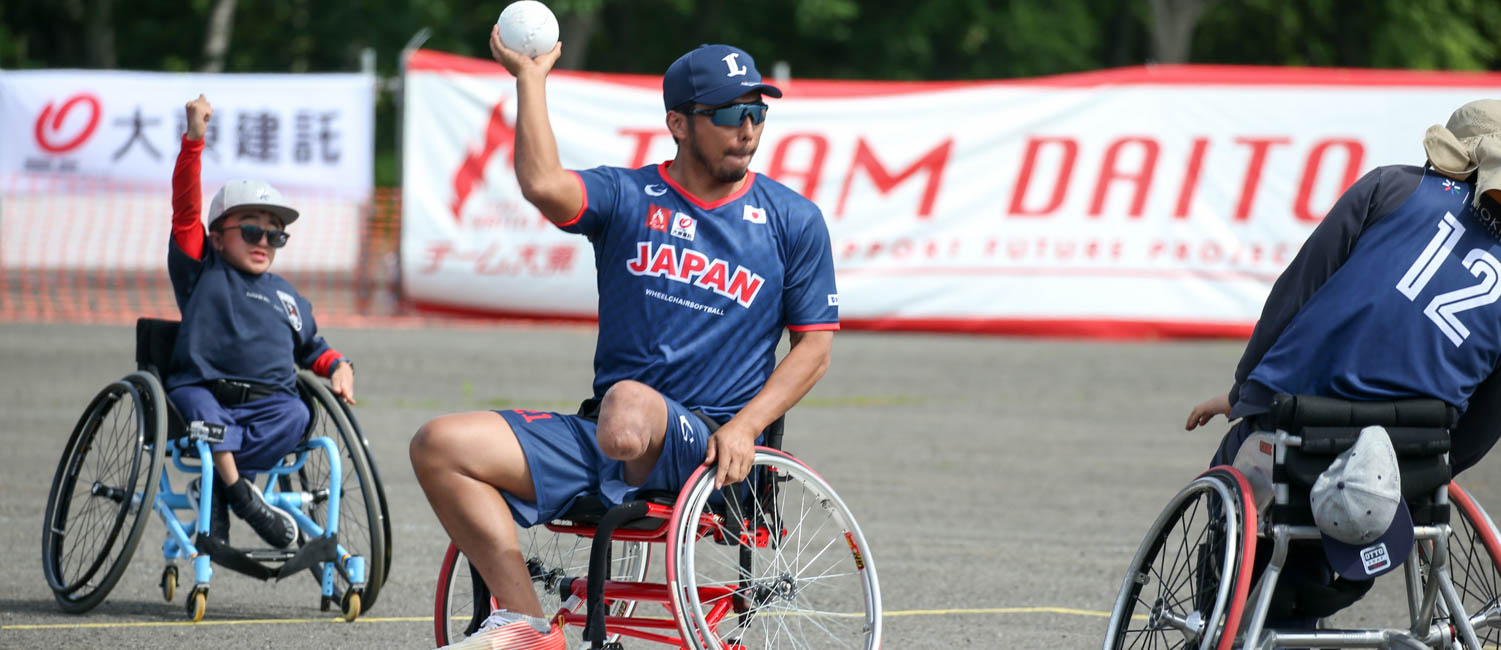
<point>1293,413</point>
<point>1419,430</point>
<point>154,340</point>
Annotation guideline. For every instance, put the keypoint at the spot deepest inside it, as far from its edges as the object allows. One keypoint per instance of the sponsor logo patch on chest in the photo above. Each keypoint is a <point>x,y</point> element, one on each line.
<point>692,267</point>
<point>657,217</point>
<point>684,226</point>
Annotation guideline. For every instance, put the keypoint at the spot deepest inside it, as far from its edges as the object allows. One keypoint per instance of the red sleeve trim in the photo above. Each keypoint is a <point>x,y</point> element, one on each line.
<point>584,192</point>
<point>323,367</point>
<point>814,327</point>
<point>187,199</point>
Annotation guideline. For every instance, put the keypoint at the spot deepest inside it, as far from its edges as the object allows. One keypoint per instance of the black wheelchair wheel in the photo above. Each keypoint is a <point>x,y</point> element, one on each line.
<point>380,486</point>
<point>103,490</point>
<point>1187,585</point>
<point>463,601</point>
<point>363,530</point>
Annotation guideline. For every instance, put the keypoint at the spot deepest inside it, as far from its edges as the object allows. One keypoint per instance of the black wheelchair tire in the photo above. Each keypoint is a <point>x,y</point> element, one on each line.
<point>380,486</point>
<point>147,399</point>
<point>353,451</point>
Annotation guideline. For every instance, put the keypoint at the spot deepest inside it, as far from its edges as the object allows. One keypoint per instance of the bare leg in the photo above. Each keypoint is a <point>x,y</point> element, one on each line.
<point>224,464</point>
<point>460,461</point>
<point>632,423</point>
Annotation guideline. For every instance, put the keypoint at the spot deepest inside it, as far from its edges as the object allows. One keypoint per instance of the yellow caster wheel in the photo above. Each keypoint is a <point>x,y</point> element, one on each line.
<point>197,604</point>
<point>169,583</point>
<point>351,605</point>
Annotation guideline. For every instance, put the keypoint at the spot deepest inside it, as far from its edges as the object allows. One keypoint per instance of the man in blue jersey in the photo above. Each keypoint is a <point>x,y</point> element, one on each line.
<point>1393,296</point>
<point>701,265</point>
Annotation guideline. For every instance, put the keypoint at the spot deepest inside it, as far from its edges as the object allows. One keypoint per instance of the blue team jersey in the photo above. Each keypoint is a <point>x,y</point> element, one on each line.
<point>1413,312</point>
<point>693,296</point>
<point>237,325</point>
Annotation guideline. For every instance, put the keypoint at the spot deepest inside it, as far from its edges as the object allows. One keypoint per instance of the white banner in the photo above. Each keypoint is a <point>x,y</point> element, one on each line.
<point>91,153</point>
<point>1138,202</point>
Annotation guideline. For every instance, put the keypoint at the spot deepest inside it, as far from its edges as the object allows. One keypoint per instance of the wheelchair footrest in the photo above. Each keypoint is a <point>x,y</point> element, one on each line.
<point>323,549</point>
<point>232,558</point>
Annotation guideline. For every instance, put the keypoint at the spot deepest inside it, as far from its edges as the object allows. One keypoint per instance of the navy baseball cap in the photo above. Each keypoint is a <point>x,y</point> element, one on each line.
<point>713,75</point>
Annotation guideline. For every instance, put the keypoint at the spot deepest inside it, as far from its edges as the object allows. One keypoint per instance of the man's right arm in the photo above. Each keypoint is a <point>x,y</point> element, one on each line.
<point>557,193</point>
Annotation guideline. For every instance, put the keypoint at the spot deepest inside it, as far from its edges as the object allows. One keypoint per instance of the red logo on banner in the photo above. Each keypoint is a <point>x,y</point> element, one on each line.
<point>48,133</point>
<point>498,136</point>
<point>657,218</point>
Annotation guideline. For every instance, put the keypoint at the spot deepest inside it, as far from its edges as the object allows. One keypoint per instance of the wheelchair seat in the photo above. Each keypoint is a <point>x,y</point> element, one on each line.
<point>589,510</point>
<point>1418,428</point>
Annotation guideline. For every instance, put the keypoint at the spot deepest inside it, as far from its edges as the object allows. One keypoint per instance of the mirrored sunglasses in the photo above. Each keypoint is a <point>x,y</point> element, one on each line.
<point>734,114</point>
<point>252,234</point>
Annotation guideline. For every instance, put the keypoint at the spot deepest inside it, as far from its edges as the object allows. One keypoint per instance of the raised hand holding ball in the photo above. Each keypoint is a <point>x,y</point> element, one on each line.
<point>528,27</point>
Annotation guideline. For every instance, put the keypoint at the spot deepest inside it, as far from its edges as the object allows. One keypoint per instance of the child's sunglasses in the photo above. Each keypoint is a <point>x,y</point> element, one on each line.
<point>734,114</point>
<point>252,233</point>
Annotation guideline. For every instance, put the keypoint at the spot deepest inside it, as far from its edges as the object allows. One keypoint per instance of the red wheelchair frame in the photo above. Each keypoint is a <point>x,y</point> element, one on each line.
<point>725,523</point>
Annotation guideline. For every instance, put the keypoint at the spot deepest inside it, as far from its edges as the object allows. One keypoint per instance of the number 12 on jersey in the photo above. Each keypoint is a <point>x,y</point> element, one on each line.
<point>1444,309</point>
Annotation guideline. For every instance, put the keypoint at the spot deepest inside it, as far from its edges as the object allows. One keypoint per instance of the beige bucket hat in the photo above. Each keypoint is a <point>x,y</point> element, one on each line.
<point>1469,143</point>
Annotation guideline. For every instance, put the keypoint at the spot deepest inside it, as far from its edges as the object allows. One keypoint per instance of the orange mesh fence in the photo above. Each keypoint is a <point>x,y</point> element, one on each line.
<point>96,252</point>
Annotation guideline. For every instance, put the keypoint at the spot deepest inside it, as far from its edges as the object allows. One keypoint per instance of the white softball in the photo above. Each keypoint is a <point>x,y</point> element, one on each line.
<point>528,27</point>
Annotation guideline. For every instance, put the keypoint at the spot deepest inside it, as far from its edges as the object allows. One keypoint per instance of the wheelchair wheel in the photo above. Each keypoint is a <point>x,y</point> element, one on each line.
<point>1474,553</point>
<point>103,491</point>
<point>1187,585</point>
<point>362,525</point>
<point>380,486</point>
<point>781,559</point>
<point>463,602</point>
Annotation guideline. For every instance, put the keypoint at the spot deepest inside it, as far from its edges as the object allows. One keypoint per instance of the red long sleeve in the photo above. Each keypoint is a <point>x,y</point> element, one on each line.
<point>187,199</point>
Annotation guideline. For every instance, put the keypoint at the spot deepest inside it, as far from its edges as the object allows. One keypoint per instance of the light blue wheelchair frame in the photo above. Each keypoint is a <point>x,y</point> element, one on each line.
<point>179,545</point>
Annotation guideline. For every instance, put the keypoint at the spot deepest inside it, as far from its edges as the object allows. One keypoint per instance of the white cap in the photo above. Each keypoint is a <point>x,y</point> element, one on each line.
<point>242,195</point>
<point>1358,506</point>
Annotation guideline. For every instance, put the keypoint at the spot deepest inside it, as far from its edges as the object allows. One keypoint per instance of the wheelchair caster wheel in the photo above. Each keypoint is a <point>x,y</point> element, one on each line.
<point>169,582</point>
<point>350,606</point>
<point>197,603</point>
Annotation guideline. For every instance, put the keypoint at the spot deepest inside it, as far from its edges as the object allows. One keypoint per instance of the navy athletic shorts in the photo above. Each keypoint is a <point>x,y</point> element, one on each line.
<point>259,433</point>
<point>566,463</point>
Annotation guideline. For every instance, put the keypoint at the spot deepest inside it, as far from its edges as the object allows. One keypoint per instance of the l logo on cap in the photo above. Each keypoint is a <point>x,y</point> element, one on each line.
<point>736,69</point>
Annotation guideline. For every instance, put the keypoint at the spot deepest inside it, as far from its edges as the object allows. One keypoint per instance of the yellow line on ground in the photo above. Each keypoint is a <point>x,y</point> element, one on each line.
<point>424,619</point>
<point>999,610</point>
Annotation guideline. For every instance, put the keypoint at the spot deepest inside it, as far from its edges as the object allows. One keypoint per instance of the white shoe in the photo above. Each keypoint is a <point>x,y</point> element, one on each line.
<point>506,630</point>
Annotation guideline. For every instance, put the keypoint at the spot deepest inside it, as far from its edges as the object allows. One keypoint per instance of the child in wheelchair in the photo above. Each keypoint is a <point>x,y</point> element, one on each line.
<point>245,331</point>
